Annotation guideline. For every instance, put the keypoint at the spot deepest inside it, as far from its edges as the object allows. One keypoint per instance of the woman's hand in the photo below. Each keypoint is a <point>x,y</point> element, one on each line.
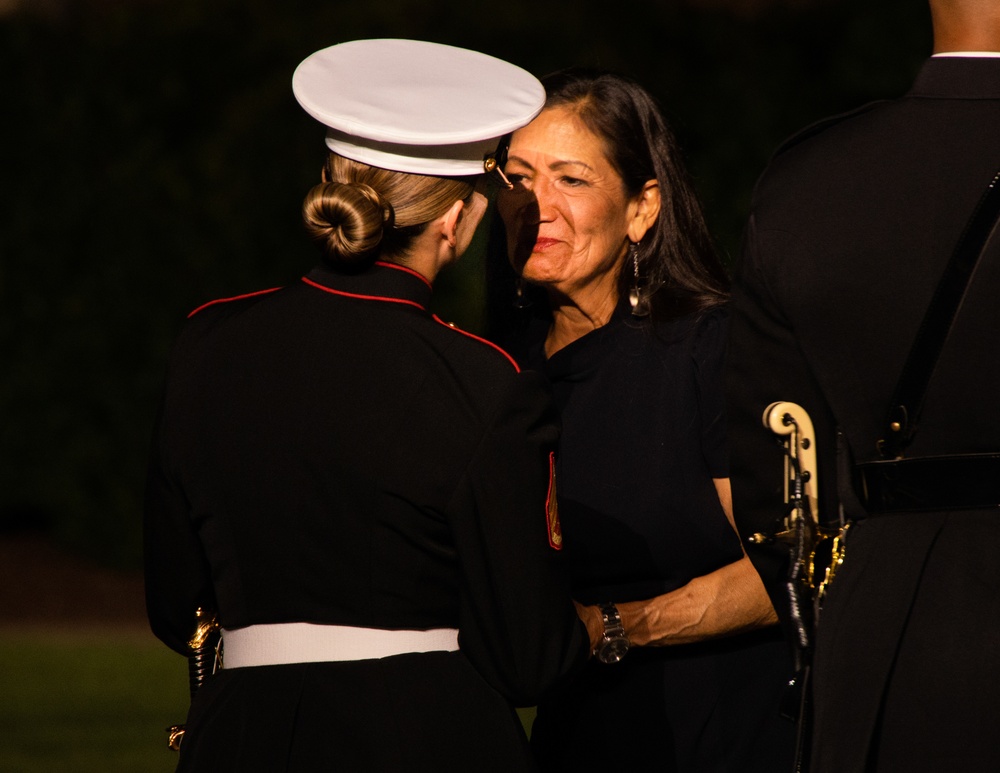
<point>594,621</point>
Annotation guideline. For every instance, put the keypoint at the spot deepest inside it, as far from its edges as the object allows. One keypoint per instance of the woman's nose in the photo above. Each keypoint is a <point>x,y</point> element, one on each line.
<point>544,200</point>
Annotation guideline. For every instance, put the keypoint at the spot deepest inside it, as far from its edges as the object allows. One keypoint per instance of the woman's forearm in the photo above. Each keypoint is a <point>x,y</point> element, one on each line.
<point>727,601</point>
<point>730,600</point>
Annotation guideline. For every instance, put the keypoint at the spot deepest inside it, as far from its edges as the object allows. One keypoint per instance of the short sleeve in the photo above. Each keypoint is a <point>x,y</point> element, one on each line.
<point>709,355</point>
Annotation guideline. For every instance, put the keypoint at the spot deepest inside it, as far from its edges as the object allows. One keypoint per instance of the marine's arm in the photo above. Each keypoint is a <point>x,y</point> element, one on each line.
<point>177,575</point>
<point>517,622</point>
<point>766,365</point>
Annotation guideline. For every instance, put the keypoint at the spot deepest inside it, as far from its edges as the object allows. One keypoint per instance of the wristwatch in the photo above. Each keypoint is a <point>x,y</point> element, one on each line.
<point>613,646</point>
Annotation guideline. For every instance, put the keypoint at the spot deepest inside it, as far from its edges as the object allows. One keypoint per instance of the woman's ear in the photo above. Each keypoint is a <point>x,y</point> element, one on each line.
<point>449,222</point>
<point>646,208</point>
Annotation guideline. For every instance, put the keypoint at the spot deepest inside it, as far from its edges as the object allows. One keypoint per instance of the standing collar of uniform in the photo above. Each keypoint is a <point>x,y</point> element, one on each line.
<point>958,77</point>
<point>388,282</point>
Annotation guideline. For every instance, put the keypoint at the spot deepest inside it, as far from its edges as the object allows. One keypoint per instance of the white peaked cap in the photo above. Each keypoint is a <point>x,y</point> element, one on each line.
<point>414,106</point>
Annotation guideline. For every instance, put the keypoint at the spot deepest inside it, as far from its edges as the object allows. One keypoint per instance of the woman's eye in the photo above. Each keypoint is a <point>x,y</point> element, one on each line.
<point>515,179</point>
<point>572,181</point>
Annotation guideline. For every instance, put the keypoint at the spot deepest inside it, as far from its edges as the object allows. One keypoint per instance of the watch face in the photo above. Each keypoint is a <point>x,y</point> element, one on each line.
<point>612,650</point>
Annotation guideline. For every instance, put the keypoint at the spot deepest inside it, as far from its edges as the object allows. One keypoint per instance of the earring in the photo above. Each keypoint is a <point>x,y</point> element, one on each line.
<point>636,297</point>
<point>521,301</point>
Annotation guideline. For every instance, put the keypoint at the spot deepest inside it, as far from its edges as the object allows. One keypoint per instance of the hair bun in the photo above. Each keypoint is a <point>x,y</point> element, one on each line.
<point>347,220</point>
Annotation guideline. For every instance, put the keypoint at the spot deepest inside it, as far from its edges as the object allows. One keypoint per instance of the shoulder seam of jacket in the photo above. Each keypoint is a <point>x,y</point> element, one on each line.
<point>474,337</point>
<point>823,124</point>
<point>233,298</point>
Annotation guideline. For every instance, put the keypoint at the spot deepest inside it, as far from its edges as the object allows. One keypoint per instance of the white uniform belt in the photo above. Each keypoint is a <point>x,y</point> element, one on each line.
<point>276,644</point>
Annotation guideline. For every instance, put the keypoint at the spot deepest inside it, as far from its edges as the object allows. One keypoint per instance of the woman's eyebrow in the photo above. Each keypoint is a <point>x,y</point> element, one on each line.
<point>519,160</point>
<point>570,162</point>
<point>554,165</point>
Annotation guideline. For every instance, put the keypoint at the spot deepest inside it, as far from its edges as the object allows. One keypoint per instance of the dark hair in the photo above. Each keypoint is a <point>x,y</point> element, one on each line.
<point>678,263</point>
<point>360,212</point>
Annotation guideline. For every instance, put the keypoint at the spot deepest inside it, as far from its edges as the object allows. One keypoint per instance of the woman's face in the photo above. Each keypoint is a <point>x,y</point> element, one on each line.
<point>568,215</point>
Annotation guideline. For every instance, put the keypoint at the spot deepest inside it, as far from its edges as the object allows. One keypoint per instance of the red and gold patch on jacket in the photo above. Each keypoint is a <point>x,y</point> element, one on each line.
<point>552,507</point>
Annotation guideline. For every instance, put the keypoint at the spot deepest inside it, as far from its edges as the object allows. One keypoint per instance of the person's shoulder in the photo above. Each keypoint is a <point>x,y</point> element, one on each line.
<point>221,307</point>
<point>690,334</point>
<point>827,149</point>
<point>694,323</point>
<point>487,372</point>
<point>475,350</point>
<point>824,127</point>
<point>210,320</point>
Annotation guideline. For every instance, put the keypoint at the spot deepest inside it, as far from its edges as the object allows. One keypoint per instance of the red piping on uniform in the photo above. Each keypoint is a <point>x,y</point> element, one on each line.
<point>318,286</point>
<point>481,340</point>
<point>398,267</point>
<point>234,298</point>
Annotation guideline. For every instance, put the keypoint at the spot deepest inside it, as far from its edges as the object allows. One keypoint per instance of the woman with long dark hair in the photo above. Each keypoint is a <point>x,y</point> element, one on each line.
<point>623,308</point>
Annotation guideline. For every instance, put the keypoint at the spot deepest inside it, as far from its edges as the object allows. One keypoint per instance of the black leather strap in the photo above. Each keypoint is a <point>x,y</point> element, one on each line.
<point>908,399</point>
<point>956,482</point>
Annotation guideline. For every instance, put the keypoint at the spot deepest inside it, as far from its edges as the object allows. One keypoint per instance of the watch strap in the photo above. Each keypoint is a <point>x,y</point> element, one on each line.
<point>612,620</point>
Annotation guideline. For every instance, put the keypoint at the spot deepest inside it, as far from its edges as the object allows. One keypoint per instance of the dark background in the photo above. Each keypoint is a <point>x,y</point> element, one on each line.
<point>152,157</point>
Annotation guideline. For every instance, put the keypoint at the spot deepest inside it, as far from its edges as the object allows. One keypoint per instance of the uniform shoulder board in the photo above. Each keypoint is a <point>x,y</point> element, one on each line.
<point>483,341</point>
<point>229,300</point>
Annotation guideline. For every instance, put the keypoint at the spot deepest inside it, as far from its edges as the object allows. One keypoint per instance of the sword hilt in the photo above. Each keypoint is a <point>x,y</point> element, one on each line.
<point>203,661</point>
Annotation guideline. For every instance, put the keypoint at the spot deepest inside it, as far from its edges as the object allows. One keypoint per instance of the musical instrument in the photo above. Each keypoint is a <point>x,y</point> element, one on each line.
<point>816,550</point>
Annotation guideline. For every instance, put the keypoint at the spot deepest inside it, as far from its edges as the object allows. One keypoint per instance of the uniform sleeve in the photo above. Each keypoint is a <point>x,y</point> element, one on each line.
<point>177,574</point>
<point>765,365</point>
<point>518,624</point>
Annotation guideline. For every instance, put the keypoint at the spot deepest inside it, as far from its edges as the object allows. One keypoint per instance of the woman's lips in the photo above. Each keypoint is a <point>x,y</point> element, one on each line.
<point>542,243</point>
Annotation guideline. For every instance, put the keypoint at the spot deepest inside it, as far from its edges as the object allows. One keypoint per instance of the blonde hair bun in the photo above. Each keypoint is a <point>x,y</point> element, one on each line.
<point>363,213</point>
<point>347,220</point>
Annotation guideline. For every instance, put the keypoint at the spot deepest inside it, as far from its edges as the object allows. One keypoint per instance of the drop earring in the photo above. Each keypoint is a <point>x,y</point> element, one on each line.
<point>636,297</point>
<point>521,300</point>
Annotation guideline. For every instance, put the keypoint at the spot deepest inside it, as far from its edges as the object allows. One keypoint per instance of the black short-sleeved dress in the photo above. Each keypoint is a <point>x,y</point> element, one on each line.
<point>330,453</point>
<point>644,434</point>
